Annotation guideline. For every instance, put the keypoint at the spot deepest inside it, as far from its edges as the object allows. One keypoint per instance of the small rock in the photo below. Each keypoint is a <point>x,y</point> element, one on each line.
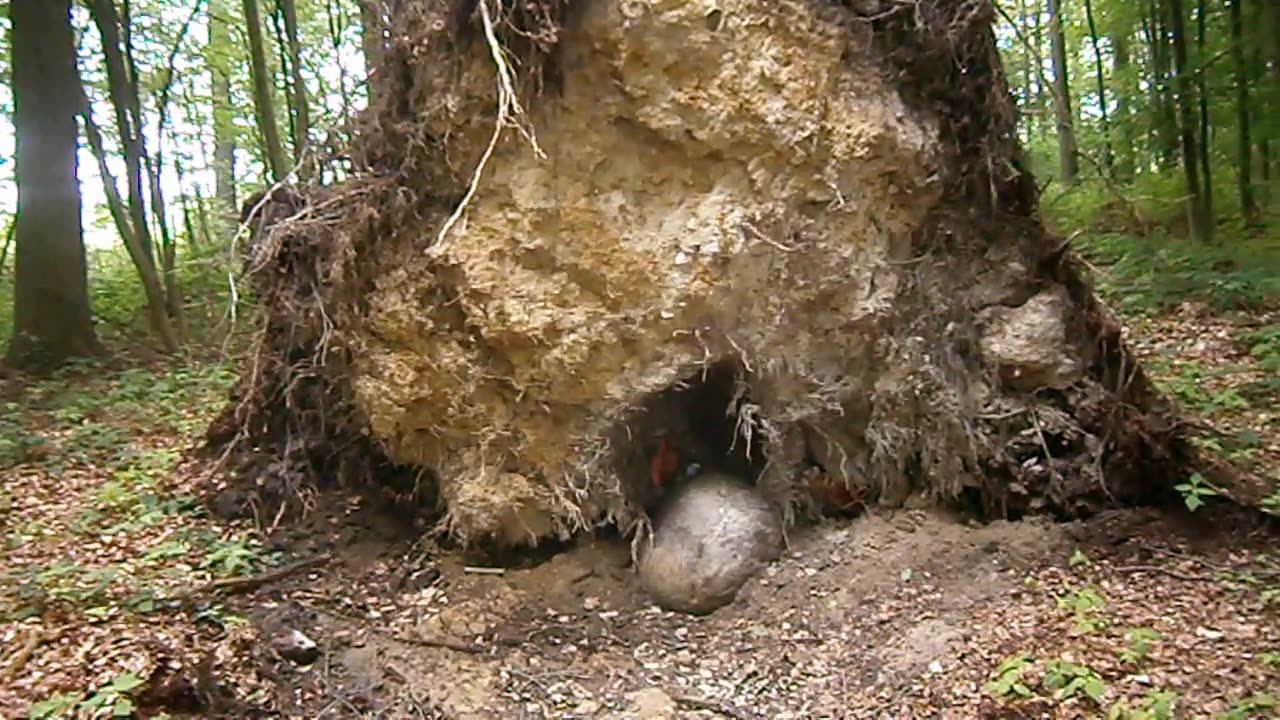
<point>651,704</point>
<point>296,647</point>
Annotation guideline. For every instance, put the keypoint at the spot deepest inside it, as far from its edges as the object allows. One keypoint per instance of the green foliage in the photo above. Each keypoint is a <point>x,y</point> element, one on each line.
<point>1194,491</point>
<point>1156,704</point>
<point>112,699</point>
<point>1256,705</point>
<point>1008,679</point>
<point>52,706</point>
<point>114,695</point>
<point>1069,680</point>
<point>1085,606</point>
<point>233,555</point>
<point>1152,275</point>
<point>1138,644</point>
<point>1264,347</point>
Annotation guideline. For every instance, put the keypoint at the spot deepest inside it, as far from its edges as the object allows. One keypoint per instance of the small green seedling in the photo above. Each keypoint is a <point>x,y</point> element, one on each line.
<point>1194,491</point>
<point>1007,680</point>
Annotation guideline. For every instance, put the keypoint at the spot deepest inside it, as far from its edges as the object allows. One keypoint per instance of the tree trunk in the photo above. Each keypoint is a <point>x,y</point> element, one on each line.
<point>1037,43</point>
<point>1107,159</point>
<point>1186,125</point>
<point>219,57</point>
<point>157,309</point>
<point>371,38</point>
<point>1068,150</point>
<point>1165,123</point>
<point>1265,128</point>
<point>337,23</point>
<point>52,322</point>
<point>136,232</point>
<point>1244,143</point>
<point>1205,146</point>
<point>1273,32</point>
<point>120,90</point>
<point>1026,105</point>
<point>298,101</point>
<point>168,241</point>
<point>1126,154</point>
<point>8,243</point>
<point>264,103</point>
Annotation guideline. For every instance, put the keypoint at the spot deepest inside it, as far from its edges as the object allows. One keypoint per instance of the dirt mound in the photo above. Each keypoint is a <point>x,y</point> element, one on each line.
<point>771,238</point>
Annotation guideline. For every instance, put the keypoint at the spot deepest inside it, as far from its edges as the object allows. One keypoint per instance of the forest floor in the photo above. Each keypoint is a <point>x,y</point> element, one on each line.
<point>120,594</point>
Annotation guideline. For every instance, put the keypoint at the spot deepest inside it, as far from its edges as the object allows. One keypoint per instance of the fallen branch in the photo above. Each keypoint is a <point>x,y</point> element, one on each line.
<point>695,703</point>
<point>22,655</point>
<point>1166,571</point>
<point>250,582</point>
<point>445,643</point>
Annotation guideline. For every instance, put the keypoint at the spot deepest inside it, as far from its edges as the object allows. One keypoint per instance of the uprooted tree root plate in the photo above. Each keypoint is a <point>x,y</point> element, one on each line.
<point>589,239</point>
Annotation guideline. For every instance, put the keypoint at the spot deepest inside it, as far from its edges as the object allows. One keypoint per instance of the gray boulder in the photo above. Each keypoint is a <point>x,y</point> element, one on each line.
<point>710,536</point>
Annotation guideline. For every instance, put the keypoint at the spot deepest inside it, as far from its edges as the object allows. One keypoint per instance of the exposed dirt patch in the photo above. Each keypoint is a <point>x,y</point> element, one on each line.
<point>905,614</point>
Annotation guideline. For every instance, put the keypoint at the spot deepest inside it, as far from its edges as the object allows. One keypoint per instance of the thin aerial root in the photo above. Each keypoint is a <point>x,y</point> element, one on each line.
<point>509,110</point>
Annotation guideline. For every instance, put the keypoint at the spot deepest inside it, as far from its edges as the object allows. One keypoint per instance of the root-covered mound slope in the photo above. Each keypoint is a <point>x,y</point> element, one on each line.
<point>783,237</point>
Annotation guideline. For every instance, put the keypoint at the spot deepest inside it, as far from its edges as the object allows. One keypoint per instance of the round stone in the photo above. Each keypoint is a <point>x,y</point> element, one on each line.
<point>710,536</point>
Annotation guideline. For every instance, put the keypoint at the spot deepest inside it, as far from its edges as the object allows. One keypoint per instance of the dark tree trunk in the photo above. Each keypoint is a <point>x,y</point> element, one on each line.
<point>1244,160</point>
<point>1187,126</point>
<point>1206,127</point>
<point>1165,124</point>
<point>1125,160</point>
<point>52,321</point>
<point>136,232</point>
<point>1068,150</point>
<point>298,96</point>
<point>1107,159</point>
<point>1273,31</point>
<point>1028,74</point>
<point>264,104</point>
<point>1264,129</point>
<point>371,38</point>
<point>1038,43</point>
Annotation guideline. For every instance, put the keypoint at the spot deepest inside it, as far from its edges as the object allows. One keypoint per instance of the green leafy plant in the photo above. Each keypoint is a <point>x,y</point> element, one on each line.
<point>1069,680</point>
<point>1194,491</point>
<point>1085,606</point>
<point>1155,705</point>
<point>1256,705</point>
<point>1272,501</point>
<point>233,555</point>
<point>1008,681</point>
<point>52,706</point>
<point>1139,641</point>
<point>115,696</point>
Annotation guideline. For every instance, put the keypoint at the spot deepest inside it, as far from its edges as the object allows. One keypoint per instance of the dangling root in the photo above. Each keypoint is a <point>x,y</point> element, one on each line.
<point>509,110</point>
